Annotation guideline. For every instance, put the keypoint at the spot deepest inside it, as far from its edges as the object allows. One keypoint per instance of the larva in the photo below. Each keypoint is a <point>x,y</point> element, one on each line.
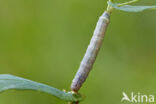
<point>91,53</point>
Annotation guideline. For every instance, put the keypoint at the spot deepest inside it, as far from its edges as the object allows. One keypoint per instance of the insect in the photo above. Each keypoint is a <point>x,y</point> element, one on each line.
<point>91,53</point>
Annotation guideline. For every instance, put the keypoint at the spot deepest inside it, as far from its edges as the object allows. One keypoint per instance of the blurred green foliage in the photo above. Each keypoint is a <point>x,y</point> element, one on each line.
<point>45,40</point>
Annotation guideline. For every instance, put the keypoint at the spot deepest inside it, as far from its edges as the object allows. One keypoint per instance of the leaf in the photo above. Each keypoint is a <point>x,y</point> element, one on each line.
<point>129,8</point>
<point>12,82</point>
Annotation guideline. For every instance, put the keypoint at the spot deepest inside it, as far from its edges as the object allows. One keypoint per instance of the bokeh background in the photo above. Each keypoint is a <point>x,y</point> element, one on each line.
<point>45,40</point>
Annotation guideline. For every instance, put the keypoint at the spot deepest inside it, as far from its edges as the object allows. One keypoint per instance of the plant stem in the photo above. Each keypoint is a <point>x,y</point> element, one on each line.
<point>92,51</point>
<point>129,2</point>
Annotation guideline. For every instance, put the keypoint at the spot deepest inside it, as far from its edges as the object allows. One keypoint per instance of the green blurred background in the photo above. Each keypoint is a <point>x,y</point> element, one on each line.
<point>45,40</point>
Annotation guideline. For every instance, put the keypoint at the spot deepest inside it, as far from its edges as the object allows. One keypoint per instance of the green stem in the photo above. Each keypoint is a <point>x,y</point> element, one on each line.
<point>129,2</point>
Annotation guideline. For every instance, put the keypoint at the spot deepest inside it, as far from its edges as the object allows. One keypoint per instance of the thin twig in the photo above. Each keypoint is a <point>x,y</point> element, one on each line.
<point>129,2</point>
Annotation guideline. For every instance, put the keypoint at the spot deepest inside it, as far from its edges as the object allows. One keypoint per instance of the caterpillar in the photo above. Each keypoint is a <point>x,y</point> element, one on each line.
<point>91,52</point>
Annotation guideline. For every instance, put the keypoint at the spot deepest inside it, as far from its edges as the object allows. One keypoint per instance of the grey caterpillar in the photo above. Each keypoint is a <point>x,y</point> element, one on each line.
<point>91,52</point>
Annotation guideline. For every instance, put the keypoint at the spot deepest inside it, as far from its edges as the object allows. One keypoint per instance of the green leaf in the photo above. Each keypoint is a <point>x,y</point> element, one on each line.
<point>12,82</point>
<point>129,8</point>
